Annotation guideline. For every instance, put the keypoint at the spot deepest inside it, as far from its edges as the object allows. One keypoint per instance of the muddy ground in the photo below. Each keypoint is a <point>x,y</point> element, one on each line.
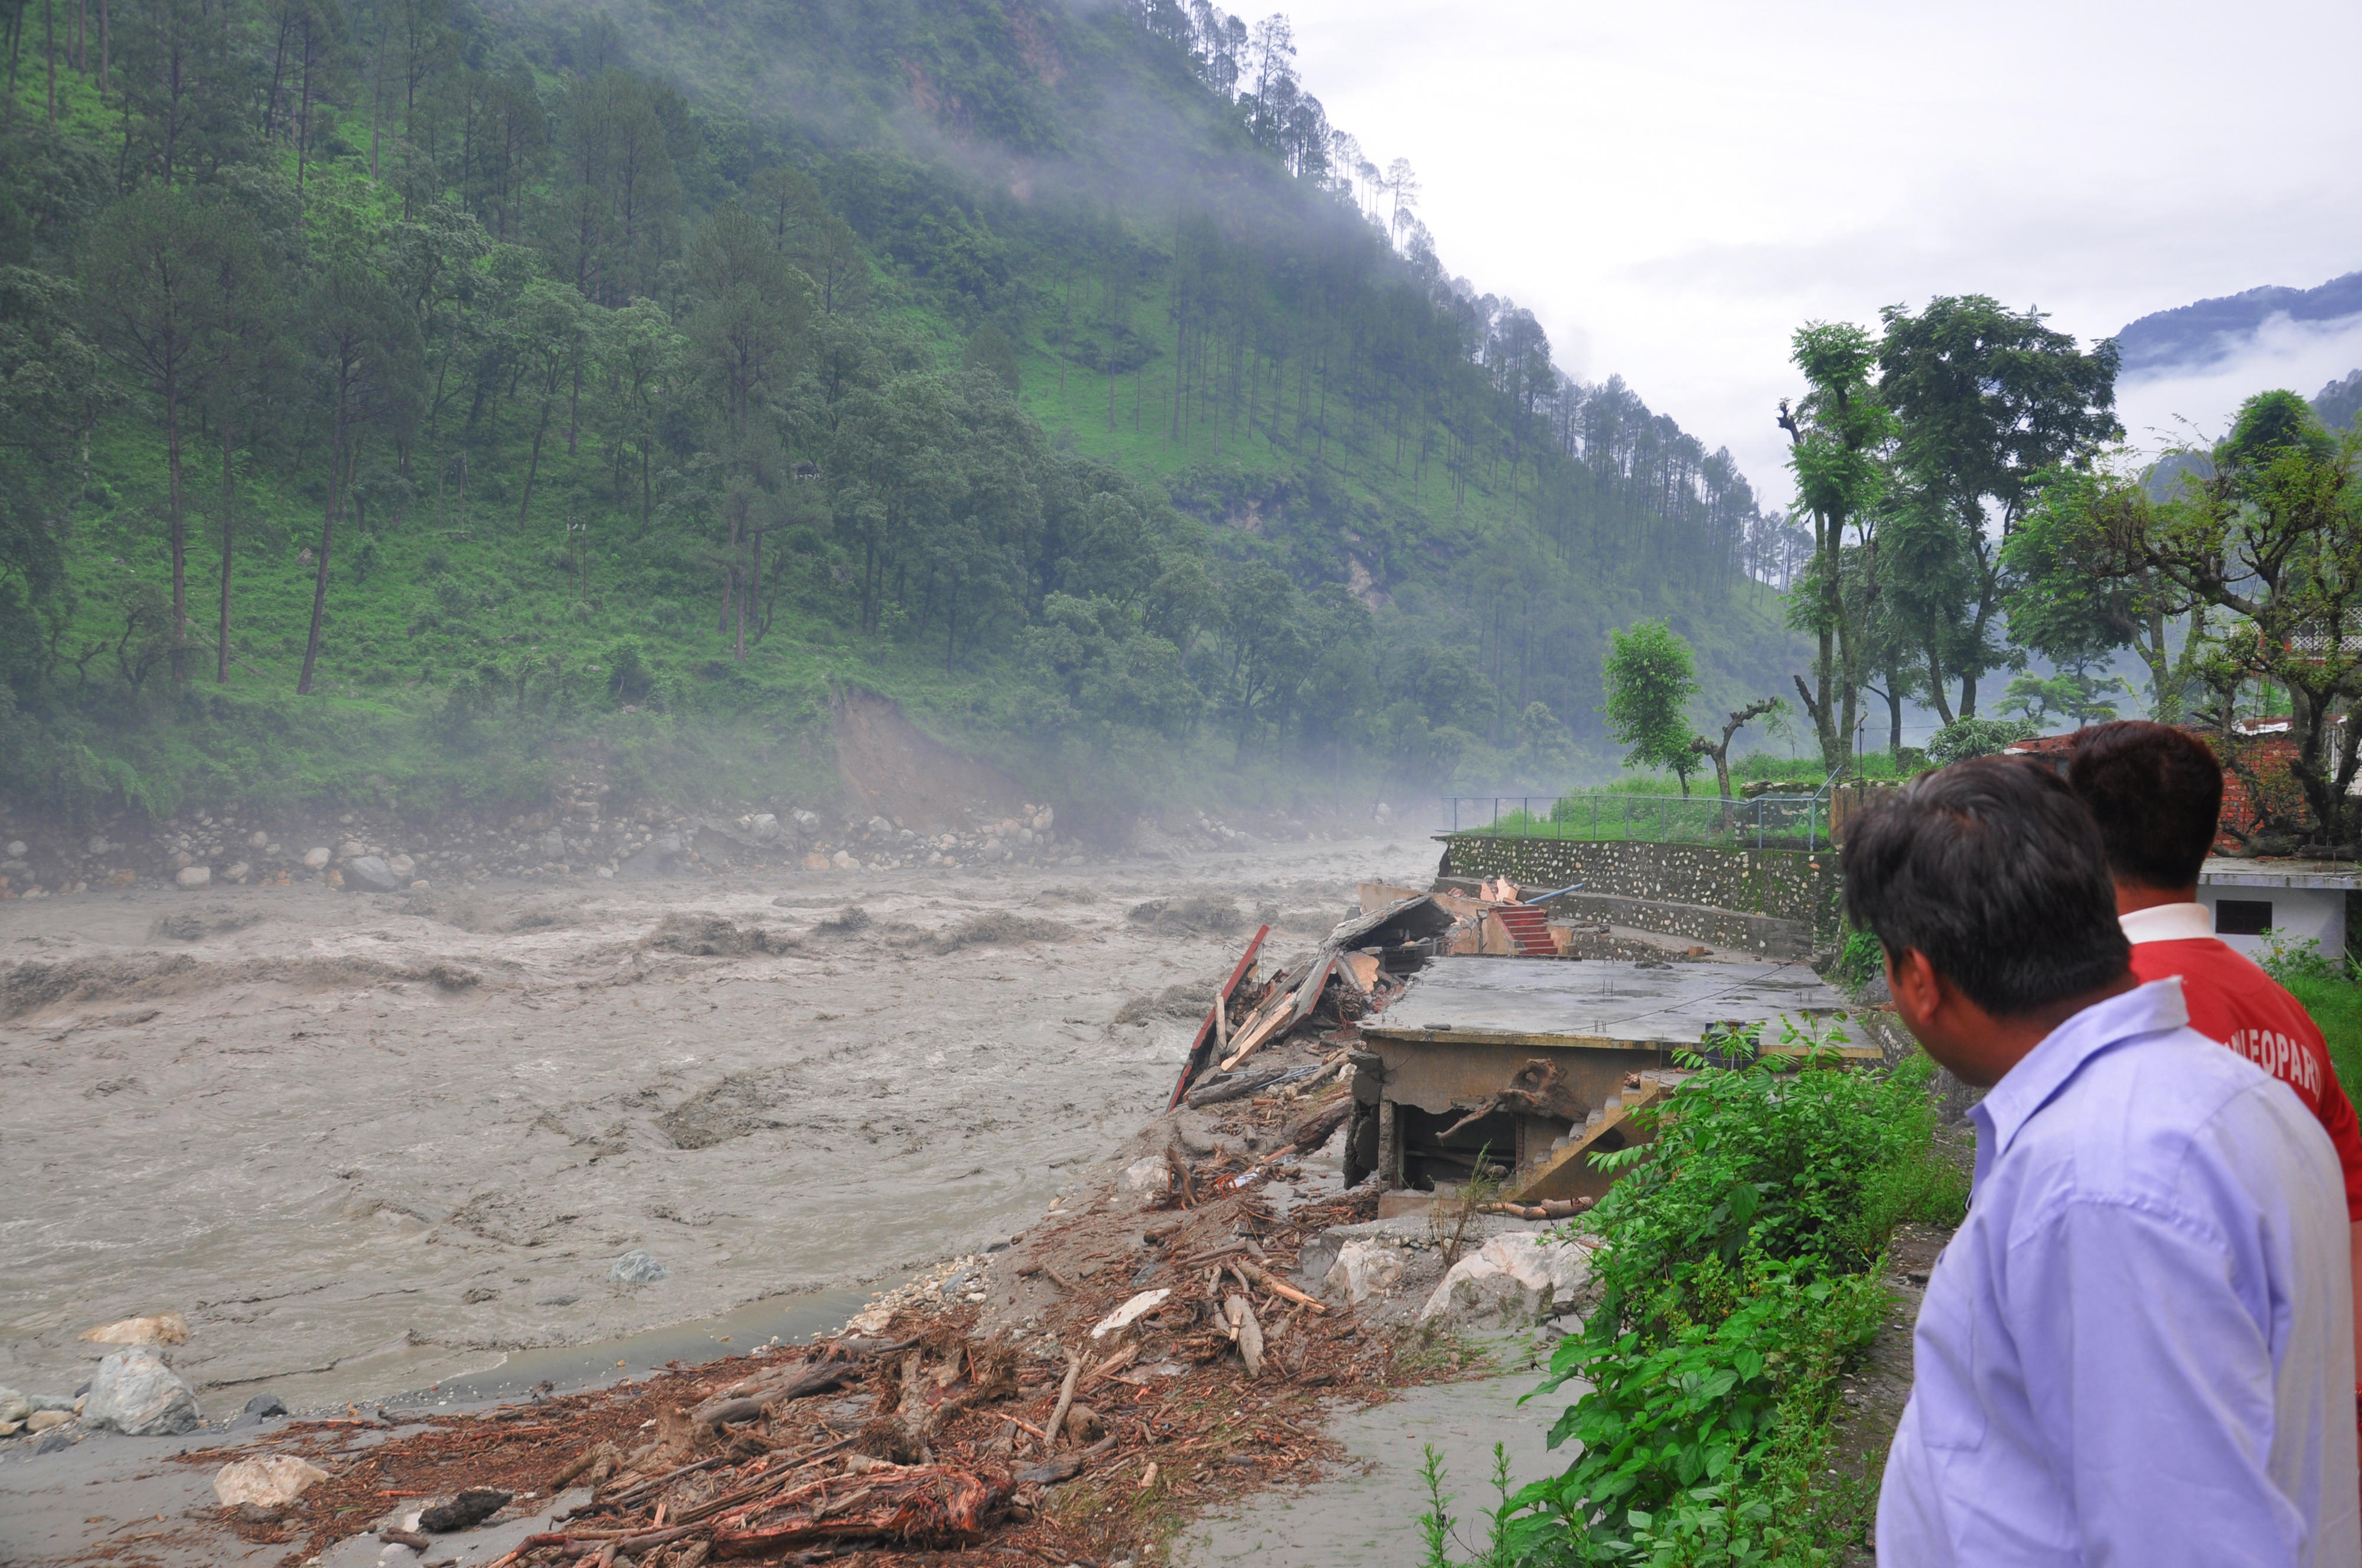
<point>368,1143</point>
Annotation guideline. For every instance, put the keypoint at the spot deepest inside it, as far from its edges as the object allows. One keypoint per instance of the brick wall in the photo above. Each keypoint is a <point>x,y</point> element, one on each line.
<point>1787,884</point>
<point>2267,756</point>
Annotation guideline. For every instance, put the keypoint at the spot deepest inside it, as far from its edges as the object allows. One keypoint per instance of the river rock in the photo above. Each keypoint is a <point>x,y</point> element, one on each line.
<point>369,874</point>
<point>1512,1281</point>
<point>1150,1175</point>
<point>157,1328</point>
<point>268,1483</point>
<point>239,873</point>
<point>259,1408</point>
<point>43,1421</point>
<point>1364,1269</point>
<point>135,1393</point>
<point>192,876</point>
<point>637,1268</point>
<point>14,1406</point>
<point>403,866</point>
<point>843,860</point>
<point>1877,993</point>
<point>18,849</point>
<point>319,856</point>
<point>351,847</point>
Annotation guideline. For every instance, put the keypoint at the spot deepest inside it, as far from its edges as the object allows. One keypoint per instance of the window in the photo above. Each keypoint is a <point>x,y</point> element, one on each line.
<point>2241,917</point>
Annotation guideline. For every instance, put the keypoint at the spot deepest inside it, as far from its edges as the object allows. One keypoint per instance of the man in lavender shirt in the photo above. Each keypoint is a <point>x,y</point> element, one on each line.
<point>2138,1349</point>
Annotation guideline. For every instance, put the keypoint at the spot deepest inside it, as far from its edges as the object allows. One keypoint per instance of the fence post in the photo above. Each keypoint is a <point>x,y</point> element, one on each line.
<point>1665,822</point>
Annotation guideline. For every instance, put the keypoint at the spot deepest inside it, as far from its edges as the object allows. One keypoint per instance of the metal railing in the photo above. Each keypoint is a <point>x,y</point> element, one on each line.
<point>1767,821</point>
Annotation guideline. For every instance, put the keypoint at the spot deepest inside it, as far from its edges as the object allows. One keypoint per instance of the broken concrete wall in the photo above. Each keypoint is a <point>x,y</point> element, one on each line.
<point>1759,900</point>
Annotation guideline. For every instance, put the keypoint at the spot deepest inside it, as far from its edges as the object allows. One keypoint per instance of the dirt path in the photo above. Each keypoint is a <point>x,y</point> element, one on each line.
<point>359,1171</point>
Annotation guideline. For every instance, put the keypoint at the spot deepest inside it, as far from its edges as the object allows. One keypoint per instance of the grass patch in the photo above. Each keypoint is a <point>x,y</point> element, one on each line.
<point>2331,990</point>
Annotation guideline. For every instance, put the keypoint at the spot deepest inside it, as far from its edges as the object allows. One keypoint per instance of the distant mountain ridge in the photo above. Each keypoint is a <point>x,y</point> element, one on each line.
<point>2193,337</point>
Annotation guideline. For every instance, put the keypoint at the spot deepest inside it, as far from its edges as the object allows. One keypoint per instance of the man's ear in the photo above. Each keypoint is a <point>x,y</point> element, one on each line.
<point>1917,992</point>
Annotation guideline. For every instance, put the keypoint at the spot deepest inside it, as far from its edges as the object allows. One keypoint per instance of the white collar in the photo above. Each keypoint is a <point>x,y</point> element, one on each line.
<point>2168,922</point>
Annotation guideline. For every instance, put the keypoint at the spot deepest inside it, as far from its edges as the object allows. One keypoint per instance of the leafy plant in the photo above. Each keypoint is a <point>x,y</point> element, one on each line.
<point>1965,738</point>
<point>2288,957</point>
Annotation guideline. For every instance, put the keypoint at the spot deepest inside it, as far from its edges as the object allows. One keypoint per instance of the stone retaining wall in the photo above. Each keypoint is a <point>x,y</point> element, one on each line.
<point>1785,883</point>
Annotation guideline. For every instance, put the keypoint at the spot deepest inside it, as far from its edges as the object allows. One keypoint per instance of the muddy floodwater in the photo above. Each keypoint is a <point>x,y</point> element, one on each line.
<point>369,1145</point>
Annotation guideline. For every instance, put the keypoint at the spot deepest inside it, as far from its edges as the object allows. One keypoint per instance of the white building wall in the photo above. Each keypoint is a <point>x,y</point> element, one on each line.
<point>2316,912</point>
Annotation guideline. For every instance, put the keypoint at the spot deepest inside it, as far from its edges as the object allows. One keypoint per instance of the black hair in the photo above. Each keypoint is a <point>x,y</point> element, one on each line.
<point>2157,793</point>
<point>1992,869</point>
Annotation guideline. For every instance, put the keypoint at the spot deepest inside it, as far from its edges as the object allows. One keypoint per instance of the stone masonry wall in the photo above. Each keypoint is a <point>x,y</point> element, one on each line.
<point>1787,884</point>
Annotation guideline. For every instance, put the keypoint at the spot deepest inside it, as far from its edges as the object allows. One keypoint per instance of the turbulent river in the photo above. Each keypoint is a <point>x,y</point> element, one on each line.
<point>366,1147</point>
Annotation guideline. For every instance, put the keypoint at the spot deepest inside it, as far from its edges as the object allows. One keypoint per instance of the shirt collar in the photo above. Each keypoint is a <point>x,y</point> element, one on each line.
<point>2168,922</point>
<point>2042,1072</point>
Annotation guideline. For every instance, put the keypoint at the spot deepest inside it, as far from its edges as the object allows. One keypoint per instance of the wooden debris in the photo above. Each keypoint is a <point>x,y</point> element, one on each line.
<point>930,1503</point>
<point>1057,1426</point>
<point>1538,1088</point>
<point>1246,1331</point>
<point>1201,1047</point>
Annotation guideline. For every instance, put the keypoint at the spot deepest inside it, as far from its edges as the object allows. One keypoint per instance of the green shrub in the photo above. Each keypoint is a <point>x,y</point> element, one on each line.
<point>1965,738</point>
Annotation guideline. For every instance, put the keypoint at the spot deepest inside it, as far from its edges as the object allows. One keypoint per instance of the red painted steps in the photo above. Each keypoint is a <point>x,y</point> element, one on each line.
<point>1528,927</point>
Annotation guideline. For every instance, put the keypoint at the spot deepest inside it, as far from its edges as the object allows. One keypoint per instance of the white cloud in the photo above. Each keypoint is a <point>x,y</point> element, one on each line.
<point>1672,188</point>
<point>2164,411</point>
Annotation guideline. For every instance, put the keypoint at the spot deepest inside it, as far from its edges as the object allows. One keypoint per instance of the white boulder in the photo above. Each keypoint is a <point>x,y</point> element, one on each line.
<point>156,1329</point>
<point>1150,1175</point>
<point>1512,1281</point>
<point>318,857</point>
<point>1364,1269</point>
<point>270,1483</point>
<point>135,1393</point>
<point>192,876</point>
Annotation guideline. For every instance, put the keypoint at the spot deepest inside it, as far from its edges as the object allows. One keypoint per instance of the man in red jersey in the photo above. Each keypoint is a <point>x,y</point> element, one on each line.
<point>2157,793</point>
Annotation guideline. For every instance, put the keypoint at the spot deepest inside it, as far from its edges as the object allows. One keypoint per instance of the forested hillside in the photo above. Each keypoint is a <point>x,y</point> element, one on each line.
<point>398,397</point>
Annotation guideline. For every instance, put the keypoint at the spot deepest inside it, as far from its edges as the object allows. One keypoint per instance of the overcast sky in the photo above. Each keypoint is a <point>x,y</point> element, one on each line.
<point>1673,188</point>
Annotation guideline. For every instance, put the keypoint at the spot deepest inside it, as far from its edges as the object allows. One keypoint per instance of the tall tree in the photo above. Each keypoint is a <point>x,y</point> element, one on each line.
<point>365,373</point>
<point>153,270</point>
<point>1986,400</point>
<point>247,366</point>
<point>1839,435</point>
<point>2072,593</point>
<point>2272,534</point>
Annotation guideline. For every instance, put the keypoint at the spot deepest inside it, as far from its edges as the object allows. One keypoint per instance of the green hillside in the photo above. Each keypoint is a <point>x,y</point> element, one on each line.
<point>632,384</point>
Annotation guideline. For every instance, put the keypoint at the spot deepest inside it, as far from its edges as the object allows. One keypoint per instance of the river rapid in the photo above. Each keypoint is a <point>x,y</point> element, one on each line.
<point>370,1145</point>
